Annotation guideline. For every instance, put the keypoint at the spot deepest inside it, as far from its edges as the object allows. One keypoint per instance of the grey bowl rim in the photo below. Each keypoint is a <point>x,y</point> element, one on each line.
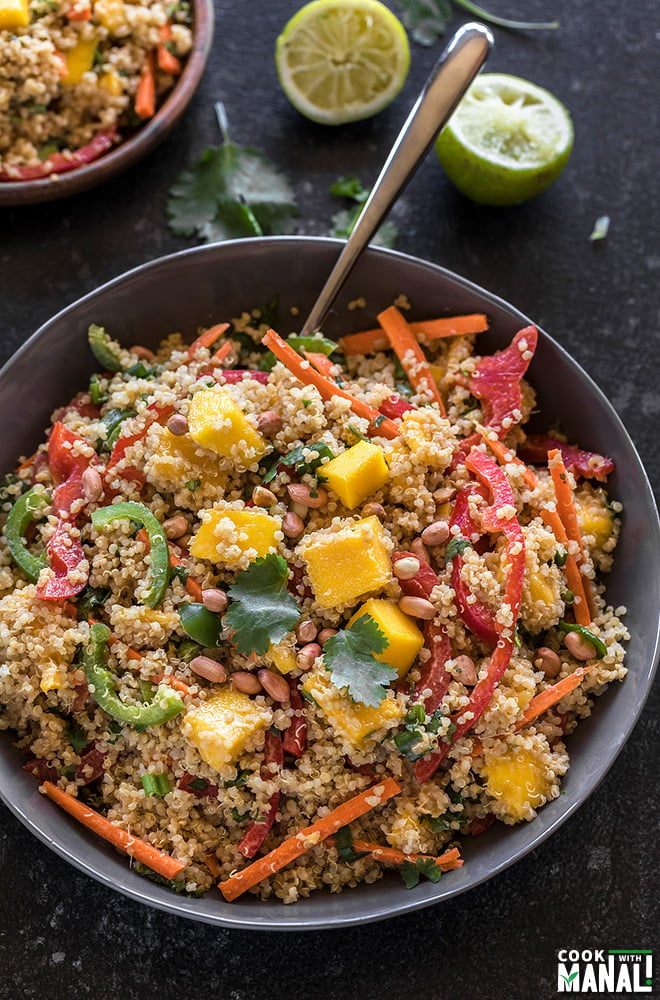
<point>178,905</point>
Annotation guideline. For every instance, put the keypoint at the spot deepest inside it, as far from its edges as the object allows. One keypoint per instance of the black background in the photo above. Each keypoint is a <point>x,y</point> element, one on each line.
<point>594,883</point>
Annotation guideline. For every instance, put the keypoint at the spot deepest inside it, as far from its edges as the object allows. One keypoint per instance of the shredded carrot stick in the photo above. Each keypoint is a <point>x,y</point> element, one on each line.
<point>208,338</point>
<point>568,514</point>
<point>191,586</point>
<point>69,609</point>
<point>145,97</point>
<point>167,61</point>
<point>391,856</point>
<point>506,457</point>
<point>573,576</point>
<point>157,860</point>
<point>223,352</point>
<point>294,847</point>
<point>26,464</point>
<point>80,12</point>
<point>370,341</point>
<point>304,372</point>
<point>322,363</point>
<point>546,699</point>
<point>174,682</point>
<point>410,354</point>
<point>212,864</point>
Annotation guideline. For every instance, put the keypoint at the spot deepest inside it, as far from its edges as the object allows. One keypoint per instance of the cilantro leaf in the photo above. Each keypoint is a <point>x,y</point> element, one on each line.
<point>344,845</point>
<point>456,547</point>
<point>426,20</point>
<point>231,191</point>
<point>262,610</point>
<point>344,220</point>
<point>412,871</point>
<point>349,658</point>
<point>296,458</point>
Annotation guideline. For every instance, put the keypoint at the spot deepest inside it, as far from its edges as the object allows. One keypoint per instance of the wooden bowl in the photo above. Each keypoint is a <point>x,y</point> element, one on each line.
<point>136,147</point>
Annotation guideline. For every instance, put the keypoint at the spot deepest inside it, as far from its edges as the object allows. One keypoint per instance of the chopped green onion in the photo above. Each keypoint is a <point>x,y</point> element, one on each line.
<point>156,785</point>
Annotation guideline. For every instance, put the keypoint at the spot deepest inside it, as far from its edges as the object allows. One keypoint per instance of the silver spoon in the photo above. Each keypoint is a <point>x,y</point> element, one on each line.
<point>451,76</point>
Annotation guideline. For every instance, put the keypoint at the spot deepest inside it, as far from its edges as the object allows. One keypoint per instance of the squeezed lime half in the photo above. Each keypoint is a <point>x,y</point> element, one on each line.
<point>507,141</point>
<point>342,60</point>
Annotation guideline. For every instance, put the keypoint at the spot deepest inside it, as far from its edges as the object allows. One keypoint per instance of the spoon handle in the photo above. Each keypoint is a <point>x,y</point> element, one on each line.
<point>451,76</point>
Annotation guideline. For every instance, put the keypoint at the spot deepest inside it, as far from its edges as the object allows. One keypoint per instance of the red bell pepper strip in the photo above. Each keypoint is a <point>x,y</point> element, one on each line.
<point>41,770</point>
<point>433,674</point>
<point>496,381</point>
<point>394,407</point>
<point>477,617</point>
<point>60,163</point>
<point>197,786</point>
<point>156,413</point>
<point>499,516</point>
<point>64,551</point>
<point>295,737</point>
<point>587,464</point>
<point>234,375</point>
<point>91,766</point>
<point>258,829</point>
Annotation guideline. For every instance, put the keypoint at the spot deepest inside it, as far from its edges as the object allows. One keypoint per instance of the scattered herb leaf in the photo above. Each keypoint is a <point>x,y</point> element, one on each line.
<point>349,656</point>
<point>262,610</point>
<point>231,191</point>
<point>344,221</point>
<point>456,547</point>
<point>412,871</point>
<point>344,845</point>
<point>297,459</point>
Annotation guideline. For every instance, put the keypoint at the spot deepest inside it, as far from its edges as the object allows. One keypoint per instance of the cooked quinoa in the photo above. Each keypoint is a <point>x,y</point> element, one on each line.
<point>70,71</point>
<point>225,463</point>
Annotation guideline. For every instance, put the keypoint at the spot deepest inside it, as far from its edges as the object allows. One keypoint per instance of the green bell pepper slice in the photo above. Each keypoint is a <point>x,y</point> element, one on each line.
<point>158,547</point>
<point>26,509</point>
<point>165,704</point>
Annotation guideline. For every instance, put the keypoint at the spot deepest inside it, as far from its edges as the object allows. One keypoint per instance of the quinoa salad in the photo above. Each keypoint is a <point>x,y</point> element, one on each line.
<point>279,615</point>
<point>76,76</point>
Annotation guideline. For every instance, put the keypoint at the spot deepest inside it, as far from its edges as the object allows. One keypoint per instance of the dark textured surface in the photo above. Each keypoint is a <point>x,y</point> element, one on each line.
<point>594,883</point>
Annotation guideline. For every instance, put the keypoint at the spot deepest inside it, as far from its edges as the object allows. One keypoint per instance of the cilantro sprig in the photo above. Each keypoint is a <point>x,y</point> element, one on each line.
<point>413,871</point>
<point>427,20</point>
<point>231,191</point>
<point>349,656</point>
<point>262,610</point>
<point>344,221</point>
<point>299,461</point>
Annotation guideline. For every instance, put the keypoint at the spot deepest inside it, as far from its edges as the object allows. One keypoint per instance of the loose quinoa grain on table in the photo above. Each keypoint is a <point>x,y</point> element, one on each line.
<point>277,615</point>
<point>73,75</point>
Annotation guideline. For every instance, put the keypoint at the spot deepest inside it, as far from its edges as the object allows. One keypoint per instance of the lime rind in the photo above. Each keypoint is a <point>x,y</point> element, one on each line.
<point>508,140</point>
<point>342,60</point>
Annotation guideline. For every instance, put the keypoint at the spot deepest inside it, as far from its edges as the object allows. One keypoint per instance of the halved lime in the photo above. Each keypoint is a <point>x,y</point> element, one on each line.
<point>342,60</point>
<point>507,141</point>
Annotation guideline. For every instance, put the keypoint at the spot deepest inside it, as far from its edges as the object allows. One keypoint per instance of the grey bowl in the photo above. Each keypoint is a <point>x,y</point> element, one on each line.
<point>209,284</point>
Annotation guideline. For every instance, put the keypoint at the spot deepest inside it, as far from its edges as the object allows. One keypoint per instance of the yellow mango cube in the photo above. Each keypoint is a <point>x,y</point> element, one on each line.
<point>351,720</point>
<point>177,460</point>
<point>356,473</point>
<point>227,535</point>
<point>595,519</point>
<point>343,565</point>
<point>224,725</point>
<point>111,14</point>
<point>53,676</point>
<point>14,14</point>
<point>217,422</point>
<point>79,60</point>
<point>111,82</point>
<point>404,638</point>
<point>283,655</point>
<point>542,589</point>
<point>518,781</point>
